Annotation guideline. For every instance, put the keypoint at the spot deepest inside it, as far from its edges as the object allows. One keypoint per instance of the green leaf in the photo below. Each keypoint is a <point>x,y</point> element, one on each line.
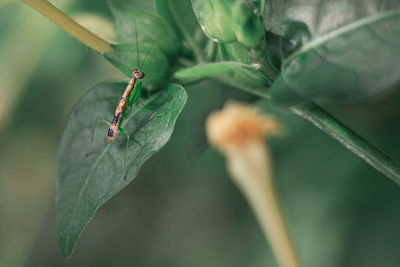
<point>211,69</point>
<point>150,28</point>
<point>155,67</point>
<point>85,182</point>
<point>179,16</point>
<point>345,49</point>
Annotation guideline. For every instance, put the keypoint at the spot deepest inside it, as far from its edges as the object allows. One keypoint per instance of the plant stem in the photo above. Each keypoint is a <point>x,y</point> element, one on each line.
<point>336,129</point>
<point>351,140</point>
<point>69,25</point>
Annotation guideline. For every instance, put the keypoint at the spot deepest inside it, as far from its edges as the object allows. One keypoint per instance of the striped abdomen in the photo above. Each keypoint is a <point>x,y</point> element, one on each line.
<point>119,111</point>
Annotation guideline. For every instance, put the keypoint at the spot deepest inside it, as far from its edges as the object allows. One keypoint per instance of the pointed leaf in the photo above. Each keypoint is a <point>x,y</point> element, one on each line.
<point>85,182</point>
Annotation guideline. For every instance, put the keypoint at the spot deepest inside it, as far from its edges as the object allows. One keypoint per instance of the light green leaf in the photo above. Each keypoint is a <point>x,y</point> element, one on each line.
<point>85,182</point>
<point>345,49</point>
<point>211,69</point>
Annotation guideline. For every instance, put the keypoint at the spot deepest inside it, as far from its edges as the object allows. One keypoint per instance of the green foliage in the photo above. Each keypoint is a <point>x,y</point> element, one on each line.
<point>248,28</point>
<point>307,50</point>
<point>86,181</point>
<point>348,52</point>
<point>236,52</point>
<point>150,28</point>
<point>228,21</point>
<point>215,18</point>
<point>155,67</point>
<point>211,69</point>
<point>356,144</point>
<point>178,14</point>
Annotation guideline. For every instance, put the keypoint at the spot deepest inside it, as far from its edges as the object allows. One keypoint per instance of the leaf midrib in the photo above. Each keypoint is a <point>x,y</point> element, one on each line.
<point>342,30</point>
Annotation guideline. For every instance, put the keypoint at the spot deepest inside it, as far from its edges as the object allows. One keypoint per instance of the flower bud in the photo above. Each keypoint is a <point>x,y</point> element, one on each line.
<point>228,21</point>
<point>246,25</point>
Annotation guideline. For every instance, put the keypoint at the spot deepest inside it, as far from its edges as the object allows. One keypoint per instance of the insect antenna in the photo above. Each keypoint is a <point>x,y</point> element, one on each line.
<point>147,53</point>
<point>137,44</point>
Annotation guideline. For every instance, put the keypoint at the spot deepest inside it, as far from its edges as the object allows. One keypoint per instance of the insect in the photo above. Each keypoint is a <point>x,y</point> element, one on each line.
<point>129,97</point>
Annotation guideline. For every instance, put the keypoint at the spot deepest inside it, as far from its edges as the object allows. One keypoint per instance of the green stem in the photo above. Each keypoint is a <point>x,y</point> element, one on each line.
<point>69,25</point>
<point>336,129</point>
<point>351,140</point>
<point>262,8</point>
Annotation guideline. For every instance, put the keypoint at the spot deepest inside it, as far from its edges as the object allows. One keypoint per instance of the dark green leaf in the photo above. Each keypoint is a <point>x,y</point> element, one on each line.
<point>155,67</point>
<point>211,69</point>
<point>85,182</point>
<point>346,49</point>
<point>179,15</point>
<point>215,19</point>
<point>150,28</point>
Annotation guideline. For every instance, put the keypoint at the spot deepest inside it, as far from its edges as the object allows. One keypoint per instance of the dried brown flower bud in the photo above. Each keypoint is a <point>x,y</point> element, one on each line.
<point>238,125</point>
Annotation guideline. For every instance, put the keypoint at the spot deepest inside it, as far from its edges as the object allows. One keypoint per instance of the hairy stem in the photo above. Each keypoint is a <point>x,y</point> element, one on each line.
<point>69,25</point>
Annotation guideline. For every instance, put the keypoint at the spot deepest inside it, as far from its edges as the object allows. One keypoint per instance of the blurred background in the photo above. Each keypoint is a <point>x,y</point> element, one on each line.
<point>182,209</point>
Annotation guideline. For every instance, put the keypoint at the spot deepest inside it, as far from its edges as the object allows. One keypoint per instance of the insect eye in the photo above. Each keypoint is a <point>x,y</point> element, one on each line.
<point>137,74</point>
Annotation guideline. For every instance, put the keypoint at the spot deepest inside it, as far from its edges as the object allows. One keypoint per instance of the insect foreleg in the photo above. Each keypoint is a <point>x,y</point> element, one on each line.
<point>128,137</point>
<point>137,91</point>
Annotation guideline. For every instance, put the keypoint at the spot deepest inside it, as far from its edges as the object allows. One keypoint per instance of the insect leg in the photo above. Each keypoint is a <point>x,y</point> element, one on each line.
<point>94,133</point>
<point>137,91</point>
<point>126,150</point>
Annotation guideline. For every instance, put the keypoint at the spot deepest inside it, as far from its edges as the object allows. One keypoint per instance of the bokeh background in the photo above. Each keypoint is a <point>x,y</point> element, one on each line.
<point>182,209</point>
